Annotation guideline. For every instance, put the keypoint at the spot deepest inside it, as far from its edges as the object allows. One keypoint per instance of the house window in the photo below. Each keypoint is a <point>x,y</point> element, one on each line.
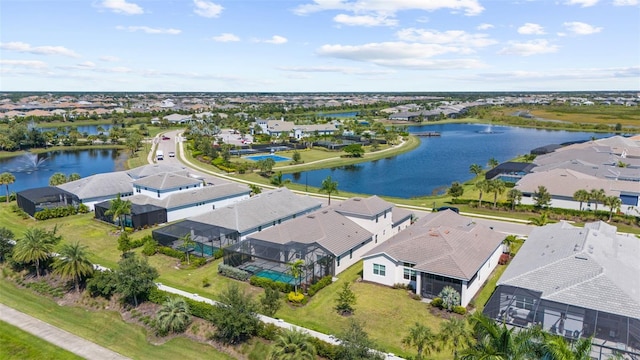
<point>351,254</point>
<point>409,274</point>
<point>376,218</point>
<point>379,270</point>
<point>376,238</point>
<point>338,261</point>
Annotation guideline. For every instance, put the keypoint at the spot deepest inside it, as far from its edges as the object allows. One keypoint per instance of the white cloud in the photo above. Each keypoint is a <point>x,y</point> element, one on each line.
<point>582,74</point>
<point>485,26</point>
<point>364,20</point>
<point>33,64</point>
<point>109,58</point>
<point>402,55</point>
<point>276,39</point>
<point>580,28</point>
<point>470,7</point>
<point>226,37</point>
<point>122,7</point>
<point>207,9</point>
<point>529,48</point>
<point>531,29</point>
<point>86,65</point>
<point>39,50</point>
<point>149,30</point>
<point>454,37</point>
<point>334,69</point>
<point>583,3</point>
<point>625,2</point>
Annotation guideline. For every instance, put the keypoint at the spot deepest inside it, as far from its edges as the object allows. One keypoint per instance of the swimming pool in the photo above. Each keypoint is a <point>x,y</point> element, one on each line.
<point>275,158</point>
<point>276,276</point>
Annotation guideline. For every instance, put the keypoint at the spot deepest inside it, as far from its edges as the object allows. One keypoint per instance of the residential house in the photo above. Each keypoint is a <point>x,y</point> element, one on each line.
<point>440,249</point>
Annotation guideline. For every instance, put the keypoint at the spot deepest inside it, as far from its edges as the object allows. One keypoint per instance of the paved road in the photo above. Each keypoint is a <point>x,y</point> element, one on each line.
<point>57,336</point>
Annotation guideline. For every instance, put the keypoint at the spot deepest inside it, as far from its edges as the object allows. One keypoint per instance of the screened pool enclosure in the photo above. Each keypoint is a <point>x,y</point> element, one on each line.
<point>612,334</point>
<point>207,238</point>
<point>268,259</point>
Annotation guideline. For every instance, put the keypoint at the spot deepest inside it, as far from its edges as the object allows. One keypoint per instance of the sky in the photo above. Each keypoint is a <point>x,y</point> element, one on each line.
<point>319,45</point>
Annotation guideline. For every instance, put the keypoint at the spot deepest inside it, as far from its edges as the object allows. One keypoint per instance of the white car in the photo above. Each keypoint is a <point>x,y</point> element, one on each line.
<point>172,154</point>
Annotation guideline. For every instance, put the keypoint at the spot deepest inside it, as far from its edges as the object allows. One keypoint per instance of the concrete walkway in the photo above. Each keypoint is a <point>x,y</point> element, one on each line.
<point>57,336</point>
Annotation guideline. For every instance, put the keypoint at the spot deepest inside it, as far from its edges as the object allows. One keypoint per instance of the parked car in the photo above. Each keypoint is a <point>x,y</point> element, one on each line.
<point>165,137</point>
<point>172,154</point>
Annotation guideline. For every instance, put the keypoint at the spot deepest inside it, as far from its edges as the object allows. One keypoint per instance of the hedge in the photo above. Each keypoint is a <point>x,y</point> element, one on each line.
<point>268,283</point>
<point>197,308</point>
<point>320,284</point>
<point>230,271</point>
<point>165,250</point>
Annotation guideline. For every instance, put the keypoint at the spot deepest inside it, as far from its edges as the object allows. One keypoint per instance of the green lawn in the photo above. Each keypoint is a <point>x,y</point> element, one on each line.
<point>16,344</point>
<point>105,328</point>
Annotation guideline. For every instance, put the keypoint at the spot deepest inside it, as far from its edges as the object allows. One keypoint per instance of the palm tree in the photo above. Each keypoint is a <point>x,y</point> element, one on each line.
<point>498,342</point>
<point>508,242</point>
<point>292,345</point>
<point>329,186</point>
<point>422,338</point>
<point>542,220</point>
<point>295,268</point>
<point>57,179</point>
<point>582,196</point>
<point>497,187</point>
<point>454,333</point>
<point>6,179</point>
<point>555,347</point>
<point>34,247</point>
<point>119,208</point>
<point>493,163</point>
<point>514,196</point>
<point>174,316</point>
<point>72,263</point>
<point>187,242</point>
<point>278,181</point>
<point>597,196</point>
<point>475,169</point>
<point>482,186</point>
<point>614,203</point>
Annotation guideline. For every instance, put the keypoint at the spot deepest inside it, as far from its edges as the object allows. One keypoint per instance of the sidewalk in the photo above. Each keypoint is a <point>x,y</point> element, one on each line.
<point>57,336</point>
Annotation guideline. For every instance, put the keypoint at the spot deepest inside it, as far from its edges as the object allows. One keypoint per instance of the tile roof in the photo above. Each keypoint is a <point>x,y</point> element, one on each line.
<point>166,181</point>
<point>591,267</point>
<point>100,185</point>
<point>196,195</point>
<point>443,243</point>
<point>369,207</point>
<point>260,210</point>
<point>153,169</point>
<point>325,227</point>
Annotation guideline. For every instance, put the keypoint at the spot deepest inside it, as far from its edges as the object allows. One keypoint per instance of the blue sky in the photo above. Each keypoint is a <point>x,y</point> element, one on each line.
<point>319,45</point>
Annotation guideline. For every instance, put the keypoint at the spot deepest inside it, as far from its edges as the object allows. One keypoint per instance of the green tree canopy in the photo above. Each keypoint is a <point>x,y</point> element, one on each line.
<point>135,277</point>
<point>235,317</point>
<point>456,190</point>
<point>6,179</point>
<point>345,300</point>
<point>73,263</point>
<point>329,186</point>
<point>174,317</point>
<point>354,150</point>
<point>542,197</point>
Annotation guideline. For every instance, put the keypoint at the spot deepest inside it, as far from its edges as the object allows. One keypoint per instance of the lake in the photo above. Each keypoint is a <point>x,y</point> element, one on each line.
<point>31,170</point>
<point>438,161</point>
<point>88,129</point>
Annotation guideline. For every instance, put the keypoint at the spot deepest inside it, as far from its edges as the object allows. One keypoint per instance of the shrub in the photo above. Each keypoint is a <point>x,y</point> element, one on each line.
<point>324,349</point>
<point>165,250</point>
<point>504,259</point>
<point>206,282</point>
<point>268,283</point>
<point>450,297</point>
<point>437,302</point>
<point>57,212</point>
<point>150,247</point>
<point>103,283</point>
<point>296,298</point>
<point>230,271</point>
<point>268,331</point>
<point>218,254</point>
<point>319,285</point>
<point>198,262</point>
<point>415,296</point>
<point>83,209</point>
<point>459,310</point>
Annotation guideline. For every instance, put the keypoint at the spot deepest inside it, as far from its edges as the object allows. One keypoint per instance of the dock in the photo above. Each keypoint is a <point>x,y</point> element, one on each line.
<point>428,133</point>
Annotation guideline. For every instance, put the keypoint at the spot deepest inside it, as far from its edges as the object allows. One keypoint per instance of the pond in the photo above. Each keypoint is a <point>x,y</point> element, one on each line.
<point>438,161</point>
<point>34,170</point>
<point>88,129</point>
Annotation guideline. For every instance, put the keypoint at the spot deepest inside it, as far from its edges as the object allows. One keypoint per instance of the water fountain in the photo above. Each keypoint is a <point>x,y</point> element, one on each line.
<point>29,162</point>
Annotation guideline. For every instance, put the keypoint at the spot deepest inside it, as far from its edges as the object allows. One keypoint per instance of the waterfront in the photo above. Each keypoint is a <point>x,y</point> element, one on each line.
<point>439,161</point>
<point>31,170</point>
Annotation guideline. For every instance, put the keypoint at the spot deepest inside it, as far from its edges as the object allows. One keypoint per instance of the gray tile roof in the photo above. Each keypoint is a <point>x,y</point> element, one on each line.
<point>368,207</point>
<point>260,210</point>
<point>327,228</point>
<point>591,267</point>
<point>443,243</point>
<point>399,214</point>
<point>153,169</point>
<point>565,182</point>
<point>100,185</point>
<point>182,198</point>
<point>166,181</point>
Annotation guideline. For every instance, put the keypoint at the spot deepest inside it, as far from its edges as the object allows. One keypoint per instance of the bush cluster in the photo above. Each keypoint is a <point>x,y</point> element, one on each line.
<point>319,285</point>
<point>230,271</point>
<point>197,308</point>
<point>296,298</point>
<point>169,251</point>
<point>57,212</point>
<point>268,331</point>
<point>459,310</point>
<point>504,259</point>
<point>324,349</point>
<point>268,283</point>
<point>437,302</point>
<point>16,209</point>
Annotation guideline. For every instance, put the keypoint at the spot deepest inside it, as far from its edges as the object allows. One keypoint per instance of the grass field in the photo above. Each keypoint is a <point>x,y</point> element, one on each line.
<point>105,328</point>
<point>16,344</point>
